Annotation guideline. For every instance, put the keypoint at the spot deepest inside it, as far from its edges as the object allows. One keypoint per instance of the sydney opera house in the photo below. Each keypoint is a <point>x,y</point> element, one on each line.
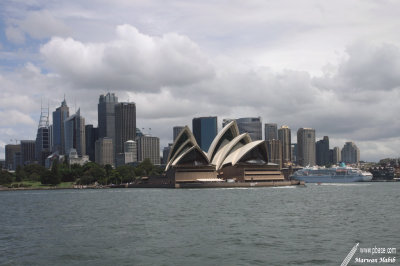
<point>231,158</point>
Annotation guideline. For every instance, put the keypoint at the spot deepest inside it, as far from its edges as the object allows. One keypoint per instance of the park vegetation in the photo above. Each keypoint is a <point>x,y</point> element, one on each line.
<point>90,173</point>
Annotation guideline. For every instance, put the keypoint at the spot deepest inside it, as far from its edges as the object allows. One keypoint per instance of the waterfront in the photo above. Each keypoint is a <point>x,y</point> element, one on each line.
<point>314,225</point>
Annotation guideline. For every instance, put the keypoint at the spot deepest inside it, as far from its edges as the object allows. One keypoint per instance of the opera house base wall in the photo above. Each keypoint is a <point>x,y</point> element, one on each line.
<point>185,175</point>
<point>252,173</point>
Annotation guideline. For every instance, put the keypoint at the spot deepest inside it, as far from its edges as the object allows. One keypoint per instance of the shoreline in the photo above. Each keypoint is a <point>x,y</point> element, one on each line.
<point>183,185</point>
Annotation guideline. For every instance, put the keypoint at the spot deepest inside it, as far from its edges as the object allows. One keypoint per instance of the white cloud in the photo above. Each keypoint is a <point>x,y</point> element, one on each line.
<point>134,61</point>
<point>15,35</point>
<point>42,24</point>
<point>14,117</point>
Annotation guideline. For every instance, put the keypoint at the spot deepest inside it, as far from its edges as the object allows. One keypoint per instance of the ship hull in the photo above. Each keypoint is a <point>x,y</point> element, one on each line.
<point>332,179</point>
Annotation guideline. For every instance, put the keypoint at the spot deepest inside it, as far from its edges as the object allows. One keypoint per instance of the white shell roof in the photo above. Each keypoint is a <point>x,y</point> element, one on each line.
<point>230,126</point>
<point>227,149</point>
<point>235,156</point>
<point>176,161</point>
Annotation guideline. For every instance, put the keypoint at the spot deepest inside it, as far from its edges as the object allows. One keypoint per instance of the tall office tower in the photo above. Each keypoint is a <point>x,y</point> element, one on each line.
<point>274,147</point>
<point>91,135</point>
<point>350,153</point>
<point>285,136</point>
<point>42,146</point>
<point>51,137</point>
<point>125,124</point>
<point>106,115</point>
<point>166,152</point>
<point>149,148</point>
<point>104,151</point>
<point>204,130</point>
<point>322,151</point>
<point>131,151</point>
<point>176,130</point>
<point>306,146</point>
<point>59,116</point>
<point>336,155</point>
<point>28,155</point>
<point>271,131</point>
<point>251,125</point>
<point>11,149</point>
<point>74,134</point>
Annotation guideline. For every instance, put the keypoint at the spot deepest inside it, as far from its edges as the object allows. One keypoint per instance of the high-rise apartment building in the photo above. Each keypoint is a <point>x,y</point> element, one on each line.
<point>322,151</point>
<point>306,146</point>
<point>176,130</point>
<point>274,147</point>
<point>106,115</point>
<point>204,130</point>
<point>74,134</point>
<point>91,135</point>
<point>125,124</point>
<point>285,136</point>
<point>350,153</point>
<point>149,148</point>
<point>10,150</point>
<point>104,151</point>
<point>59,116</point>
<point>271,131</point>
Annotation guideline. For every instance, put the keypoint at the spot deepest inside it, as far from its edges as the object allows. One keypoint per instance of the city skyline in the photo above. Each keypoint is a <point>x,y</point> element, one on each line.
<point>318,71</point>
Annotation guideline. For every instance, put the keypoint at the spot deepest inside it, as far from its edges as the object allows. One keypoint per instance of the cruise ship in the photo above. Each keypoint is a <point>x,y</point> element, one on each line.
<point>336,174</point>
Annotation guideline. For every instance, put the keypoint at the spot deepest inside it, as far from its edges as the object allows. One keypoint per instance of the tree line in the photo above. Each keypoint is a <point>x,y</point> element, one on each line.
<point>87,174</point>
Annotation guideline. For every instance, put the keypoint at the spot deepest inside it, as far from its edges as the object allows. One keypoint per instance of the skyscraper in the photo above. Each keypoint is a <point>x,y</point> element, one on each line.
<point>125,124</point>
<point>59,116</point>
<point>322,151</point>
<point>285,136</point>
<point>176,130</point>
<point>74,134</point>
<point>271,131</point>
<point>275,151</point>
<point>11,149</point>
<point>149,148</point>
<point>28,152</point>
<point>306,146</point>
<point>104,151</point>
<point>336,155</point>
<point>204,130</point>
<point>251,125</point>
<point>350,153</point>
<point>42,146</point>
<point>106,115</point>
<point>91,135</point>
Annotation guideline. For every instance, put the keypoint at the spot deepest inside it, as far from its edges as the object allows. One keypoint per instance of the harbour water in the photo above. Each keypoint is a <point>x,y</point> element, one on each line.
<point>314,225</point>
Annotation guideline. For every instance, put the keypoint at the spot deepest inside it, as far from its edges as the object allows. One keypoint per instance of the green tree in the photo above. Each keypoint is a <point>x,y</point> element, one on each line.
<point>51,177</point>
<point>6,178</point>
<point>94,173</point>
<point>20,174</point>
<point>126,172</point>
<point>33,171</point>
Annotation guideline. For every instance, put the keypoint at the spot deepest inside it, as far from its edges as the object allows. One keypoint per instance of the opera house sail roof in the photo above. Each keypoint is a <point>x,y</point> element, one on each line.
<point>231,155</point>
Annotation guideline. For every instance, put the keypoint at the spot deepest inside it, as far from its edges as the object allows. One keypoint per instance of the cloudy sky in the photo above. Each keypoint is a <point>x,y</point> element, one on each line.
<point>330,65</point>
